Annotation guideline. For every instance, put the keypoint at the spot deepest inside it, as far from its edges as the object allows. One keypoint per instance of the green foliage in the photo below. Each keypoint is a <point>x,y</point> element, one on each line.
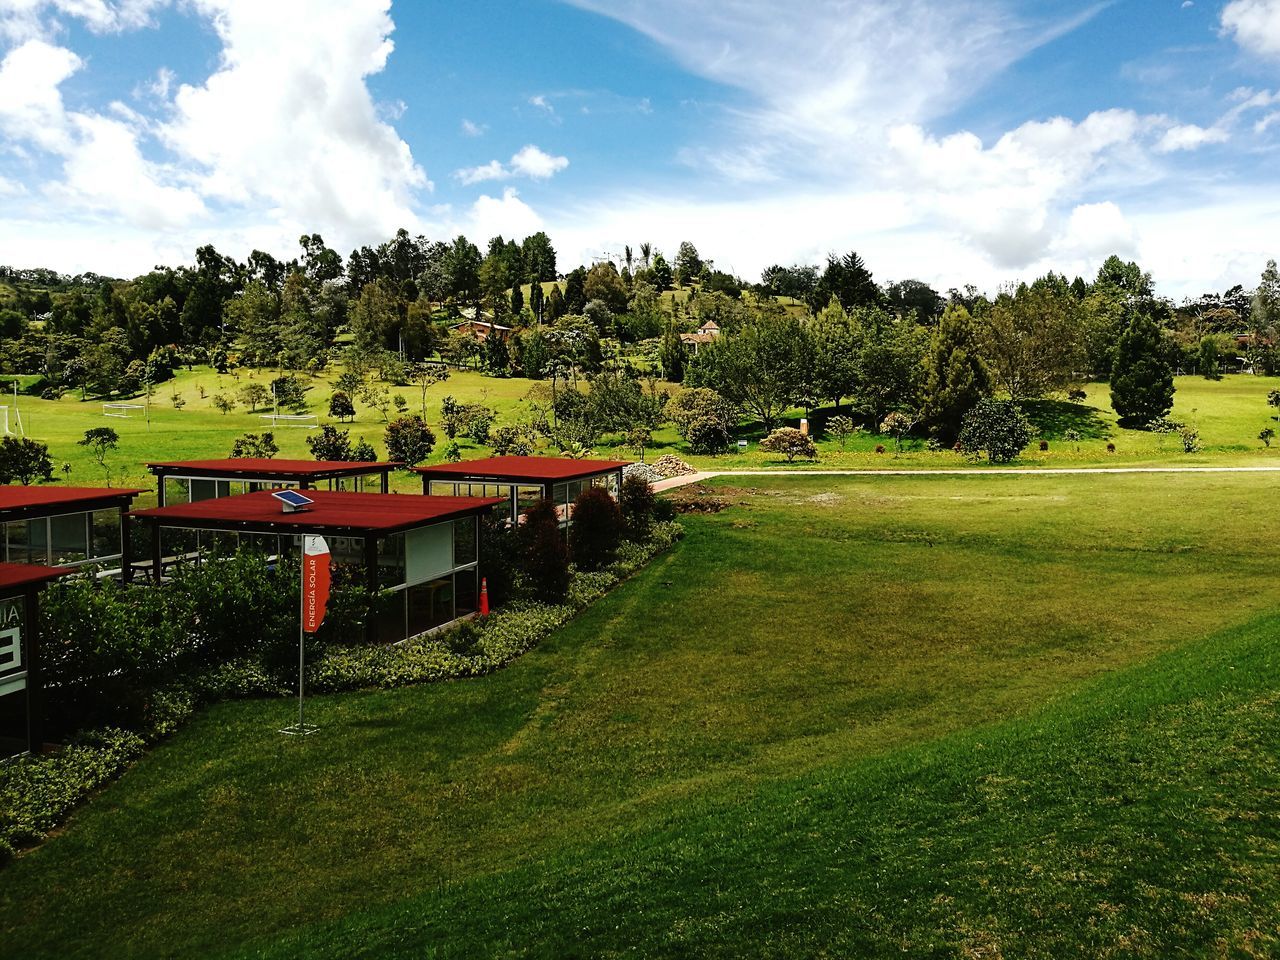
<point>1190,439</point>
<point>256,446</point>
<point>452,453</point>
<point>1030,339</point>
<point>24,460</point>
<point>791,443</point>
<point>956,376</point>
<point>409,440</point>
<point>672,355</point>
<point>897,425</point>
<point>596,529</point>
<point>341,407</point>
<point>101,441</point>
<point>543,553</point>
<point>759,366</point>
<point>330,443</point>
<point>509,441</point>
<point>1266,435</point>
<point>708,435</point>
<point>997,428</point>
<point>1141,380</point>
<point>1208,359</point>
<point>254,395</point>
<point>842,428</point>
<point>638,504</point>
<point>290,393</point>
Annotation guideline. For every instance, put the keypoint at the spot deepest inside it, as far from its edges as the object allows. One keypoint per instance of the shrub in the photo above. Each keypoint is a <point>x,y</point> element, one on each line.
<point>842,428</point>
<point>1072,436</point>
<point>693,404</point>
<point>331,444</point>
<point>409,440</point>
<point>708,436</point>
<point>340,406</point>
<point>1266,435</point>
<point>500,552</point>
<point>637,502</point>
<point>24,460</point>
<point>1044,445</point>
<point>791,443</point>
<point>544,553</point>
<point>897,425</point>
<point>880,447</point>
<point>996,428</point>
<point>1190,440</point>
<point>596,530</point>
<point>257,446</point>
<point>1111,448</point>
<point>509,441</point>
<point>1076,395</point>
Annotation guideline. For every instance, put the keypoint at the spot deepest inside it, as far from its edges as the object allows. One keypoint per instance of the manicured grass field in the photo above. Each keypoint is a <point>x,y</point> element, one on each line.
<point>952,717</point>
<point>1228,413</point>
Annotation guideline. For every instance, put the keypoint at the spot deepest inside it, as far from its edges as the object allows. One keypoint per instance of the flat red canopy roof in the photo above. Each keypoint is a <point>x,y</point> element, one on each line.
<point>17,575</point>
<point>331,510</point>
<point>239,467</point>
<point>30,498</point>
<point>537,469</point>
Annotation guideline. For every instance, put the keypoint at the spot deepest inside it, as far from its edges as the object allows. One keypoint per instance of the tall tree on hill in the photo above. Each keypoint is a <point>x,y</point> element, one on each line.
<point>756,367</point>
<point>646,252</point>
<point>797,282</point>
<point>575,292</point>
<point>603,283</point>
<point>539,258</point>
<point>836,352</point>
<point>907,296</point>
<point>319,262</point>
<point>849,281</point>
<point>1264,321</point>
<point>671,355</point>
<point>688,263</point>
<point>555,308</point>
<point>1141,380</point>
<point>956,377</point>
<point>462,268</point>
<point>536,299</point>
<point>1031,340</point>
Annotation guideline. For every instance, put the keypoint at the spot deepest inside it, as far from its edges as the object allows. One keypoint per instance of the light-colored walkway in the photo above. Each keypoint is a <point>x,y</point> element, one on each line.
<point>675,482</point>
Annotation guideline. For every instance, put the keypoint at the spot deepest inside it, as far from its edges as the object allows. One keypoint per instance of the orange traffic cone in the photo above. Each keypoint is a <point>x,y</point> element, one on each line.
<point>484,596</point>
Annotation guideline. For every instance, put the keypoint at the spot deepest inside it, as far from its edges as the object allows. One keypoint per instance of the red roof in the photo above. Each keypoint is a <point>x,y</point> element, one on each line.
<point>14,575</point>
<point>43,501</point>
<point>251,467</point>
<point>534,469</point>
<point>358,513</point>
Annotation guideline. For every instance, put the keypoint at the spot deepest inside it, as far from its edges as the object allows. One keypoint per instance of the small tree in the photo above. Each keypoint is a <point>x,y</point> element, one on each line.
<point>24,460</point>
<point>637,439</point>
<point>1072,436</point>
<point>1141,380</point>
<point>842,428</point>
<point>409,440</point>
<point>330,444</point>
<point>509,441</point>
<point>596,530</point>
<point>363,452</point>
<point>638,504</point>
<point>897,425</point>
<point>426,375</point>
<point>791,443</point>
<point>1266,435</point>
<point>255,446</point>
<point>997,428</point>
<point>223,403</point>
<point>708,435</point>
<point>341,407</point>
<point>101,441</point>
<point>254,395</point>
<point>379,398</point>
<point>544,552</point>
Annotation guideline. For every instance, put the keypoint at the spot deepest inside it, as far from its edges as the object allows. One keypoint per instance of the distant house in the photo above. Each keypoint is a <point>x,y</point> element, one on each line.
<point>707,333</point>
<point>482,329</point>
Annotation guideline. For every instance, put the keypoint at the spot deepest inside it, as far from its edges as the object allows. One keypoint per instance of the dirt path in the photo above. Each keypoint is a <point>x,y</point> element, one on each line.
<point>675,482</point>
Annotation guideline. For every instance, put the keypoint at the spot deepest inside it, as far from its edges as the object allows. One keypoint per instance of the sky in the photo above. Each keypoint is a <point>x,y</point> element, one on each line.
<point>952,141</point>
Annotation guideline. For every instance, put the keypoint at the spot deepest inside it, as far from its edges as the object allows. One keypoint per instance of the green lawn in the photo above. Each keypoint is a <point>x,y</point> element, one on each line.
<point>849,717</point>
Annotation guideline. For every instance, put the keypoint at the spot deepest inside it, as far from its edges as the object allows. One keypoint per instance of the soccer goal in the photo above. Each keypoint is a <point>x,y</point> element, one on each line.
<point>124,410</point>
<point>306,421</point>
<point>4,417</point>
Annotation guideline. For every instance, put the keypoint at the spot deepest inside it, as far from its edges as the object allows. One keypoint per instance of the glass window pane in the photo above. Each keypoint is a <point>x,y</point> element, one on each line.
<point>465,592</point>
<point>391,628</point>
<point>203,490</point>
<point>178,542</point>
<point>105,537</point>
<point>464,541</point>
<point>391,561</point>
<point>429,605</point>
<point>176,490</point>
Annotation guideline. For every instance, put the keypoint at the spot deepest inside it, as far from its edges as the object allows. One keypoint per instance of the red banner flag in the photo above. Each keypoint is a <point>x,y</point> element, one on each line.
<point>315,582</point>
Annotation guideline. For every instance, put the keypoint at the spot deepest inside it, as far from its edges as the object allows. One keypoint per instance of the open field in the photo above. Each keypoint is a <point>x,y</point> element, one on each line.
<point>1019,716</point>
<point>1228,413</point>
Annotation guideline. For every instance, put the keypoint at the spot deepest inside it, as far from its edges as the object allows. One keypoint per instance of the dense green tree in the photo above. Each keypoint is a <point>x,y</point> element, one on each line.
<point>915,296</point>
<point>835,360</point>
<point>660,274</point>
<point>603,283</point>
<point>1030,339</point>
<point>672,356</point>
<point>575,291</point>
<point>849,281</point>
<point>539,258</point>
<point>956,377</point>
<point>596,530</point>
<point>24,460</point>
<point>409,440</point>
<point>997,428</point>
<point>101,441</point>
<point>544,552</point>
<point>331,444</point>
<point>341,407</point>
<point>890,369</point>
<point>688,263</point>
<point>797,282</point>
<point>1141,380</point>
<point>536,300</point>
<point>255,446</point>
<point>319,262</point>
<point>756,367</point>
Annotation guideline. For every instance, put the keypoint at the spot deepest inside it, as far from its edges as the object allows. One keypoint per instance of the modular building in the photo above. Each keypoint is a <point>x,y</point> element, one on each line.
<point>522,481</point>
<point>66,527</point>
<point>187,481</point>
<point>21,704</point>
<point>423,552</point>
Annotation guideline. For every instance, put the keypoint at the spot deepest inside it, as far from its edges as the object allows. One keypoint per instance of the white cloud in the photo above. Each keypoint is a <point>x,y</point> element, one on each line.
<point>542,103</point>
<point>493,170</point>
<point>27,19</point>
<point>473,129</point>
<point>1254,24</point>
<point>507,215</point>
<point>1190,137</point>
<point>31,106</point>
<point>529,161</point>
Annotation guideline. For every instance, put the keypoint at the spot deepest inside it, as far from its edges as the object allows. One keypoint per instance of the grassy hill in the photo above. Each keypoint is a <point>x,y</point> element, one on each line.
<point>974,717</point>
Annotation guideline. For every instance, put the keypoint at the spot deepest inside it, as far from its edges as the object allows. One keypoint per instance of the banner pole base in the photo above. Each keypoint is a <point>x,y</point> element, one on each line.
<point>299,730</point>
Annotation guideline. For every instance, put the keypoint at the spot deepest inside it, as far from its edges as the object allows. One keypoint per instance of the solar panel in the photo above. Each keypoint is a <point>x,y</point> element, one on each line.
<point>292,500</point>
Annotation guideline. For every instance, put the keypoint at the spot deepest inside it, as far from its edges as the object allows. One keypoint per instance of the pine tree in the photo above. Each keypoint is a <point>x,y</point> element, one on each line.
<point>956,377</point>
<point>671,355</point>
<point>535,299</point>
<point>1141,380</point>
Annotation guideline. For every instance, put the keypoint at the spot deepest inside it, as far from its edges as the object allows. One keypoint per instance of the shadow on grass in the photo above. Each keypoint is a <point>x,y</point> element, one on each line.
<point>1056,417</point>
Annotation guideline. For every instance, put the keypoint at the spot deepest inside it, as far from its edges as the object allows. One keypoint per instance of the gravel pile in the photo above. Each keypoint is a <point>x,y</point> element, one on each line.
<point>669,465</point>
<point>644,471</point>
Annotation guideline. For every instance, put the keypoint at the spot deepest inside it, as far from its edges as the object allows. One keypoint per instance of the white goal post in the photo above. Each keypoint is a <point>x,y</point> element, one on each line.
<point>307,421</point>
<point>4,412</point>
<point>120,409</point>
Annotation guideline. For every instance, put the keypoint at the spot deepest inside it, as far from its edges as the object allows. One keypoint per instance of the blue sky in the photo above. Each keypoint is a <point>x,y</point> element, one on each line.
<point>956,141</point>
